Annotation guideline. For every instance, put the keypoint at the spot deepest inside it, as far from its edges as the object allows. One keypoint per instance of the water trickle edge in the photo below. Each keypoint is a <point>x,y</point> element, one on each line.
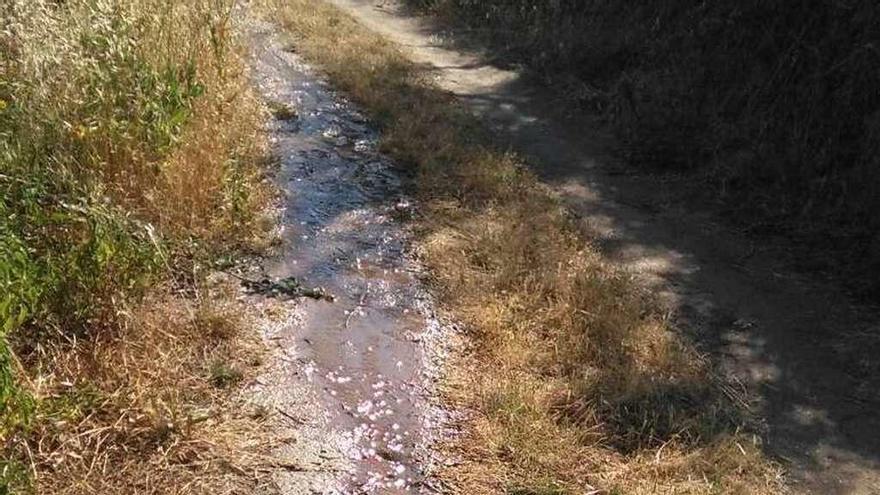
<point>321,442</point>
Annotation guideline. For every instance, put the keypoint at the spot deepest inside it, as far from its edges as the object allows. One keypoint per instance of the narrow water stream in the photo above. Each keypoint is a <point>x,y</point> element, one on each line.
<point>364,353</point>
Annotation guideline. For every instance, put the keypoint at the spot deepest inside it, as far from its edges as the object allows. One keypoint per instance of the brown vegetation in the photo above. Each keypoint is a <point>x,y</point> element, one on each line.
<point>145,408</point>
<point>575,380</point>
<point>130,165</point>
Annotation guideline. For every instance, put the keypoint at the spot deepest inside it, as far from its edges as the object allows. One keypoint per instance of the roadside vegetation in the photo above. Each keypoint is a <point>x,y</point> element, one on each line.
<point>774,105</point>
<point>576,382</point>
<point>130,165</point>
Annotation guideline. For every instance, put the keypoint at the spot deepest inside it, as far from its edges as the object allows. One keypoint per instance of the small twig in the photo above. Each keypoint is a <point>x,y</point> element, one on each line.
<point>289,416</point>
<point>30,458</point>
<point>357,308</point>
<point>243,279</point>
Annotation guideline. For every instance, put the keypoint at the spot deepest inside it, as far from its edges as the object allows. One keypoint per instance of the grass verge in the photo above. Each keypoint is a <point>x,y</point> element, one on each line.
<point>130,165</point>
<point>576,381</point>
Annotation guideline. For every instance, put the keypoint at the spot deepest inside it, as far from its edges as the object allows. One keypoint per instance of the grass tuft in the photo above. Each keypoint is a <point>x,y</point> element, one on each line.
<point>224,375</point>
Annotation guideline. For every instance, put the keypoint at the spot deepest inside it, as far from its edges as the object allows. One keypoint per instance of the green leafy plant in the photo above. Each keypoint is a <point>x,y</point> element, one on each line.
<point>127,136</point>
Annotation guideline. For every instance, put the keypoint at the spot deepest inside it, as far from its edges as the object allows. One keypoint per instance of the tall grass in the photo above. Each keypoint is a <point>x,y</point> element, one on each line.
<point>577,383</point>
<point>774,103</point>
<point>128,157</point>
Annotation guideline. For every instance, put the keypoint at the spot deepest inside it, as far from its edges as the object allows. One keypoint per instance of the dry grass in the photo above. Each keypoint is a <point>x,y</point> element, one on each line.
<point>153,95</point>
<point>130,162</point>
<point>576,381</point>
<point>139,410</point>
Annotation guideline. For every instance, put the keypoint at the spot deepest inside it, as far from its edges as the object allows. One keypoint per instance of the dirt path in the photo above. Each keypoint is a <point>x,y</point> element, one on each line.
<point>352,378</point>
<point>796,342</point>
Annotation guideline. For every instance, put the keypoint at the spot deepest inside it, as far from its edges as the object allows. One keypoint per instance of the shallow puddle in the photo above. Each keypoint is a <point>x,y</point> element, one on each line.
<point>363,353</point>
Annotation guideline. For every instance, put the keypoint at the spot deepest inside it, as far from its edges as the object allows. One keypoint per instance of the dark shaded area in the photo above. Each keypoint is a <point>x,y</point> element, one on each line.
<point>671,412</point>
<point>800,344</point>
<point>774,104</point>
<point>803,346</point>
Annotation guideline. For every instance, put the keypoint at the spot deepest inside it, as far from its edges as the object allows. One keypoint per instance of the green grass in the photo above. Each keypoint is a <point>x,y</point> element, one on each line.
<point>223,375</point>
<point>129,157</point>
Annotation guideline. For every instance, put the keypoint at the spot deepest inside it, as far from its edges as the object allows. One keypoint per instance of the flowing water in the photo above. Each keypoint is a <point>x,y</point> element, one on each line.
<point>365,353</point>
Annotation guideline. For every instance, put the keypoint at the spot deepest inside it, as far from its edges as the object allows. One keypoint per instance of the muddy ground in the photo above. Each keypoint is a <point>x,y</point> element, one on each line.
<point>352,379</point>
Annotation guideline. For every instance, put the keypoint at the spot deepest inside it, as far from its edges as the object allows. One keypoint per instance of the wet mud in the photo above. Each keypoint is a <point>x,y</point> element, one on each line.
<point>369,357</point>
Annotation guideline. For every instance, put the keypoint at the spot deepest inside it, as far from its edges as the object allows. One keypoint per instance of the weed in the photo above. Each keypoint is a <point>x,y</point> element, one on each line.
<point>72,403</point>
<point>282,111</point>
<point>14,477</point>
<point>223,376</point>
<point>216,322</point>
